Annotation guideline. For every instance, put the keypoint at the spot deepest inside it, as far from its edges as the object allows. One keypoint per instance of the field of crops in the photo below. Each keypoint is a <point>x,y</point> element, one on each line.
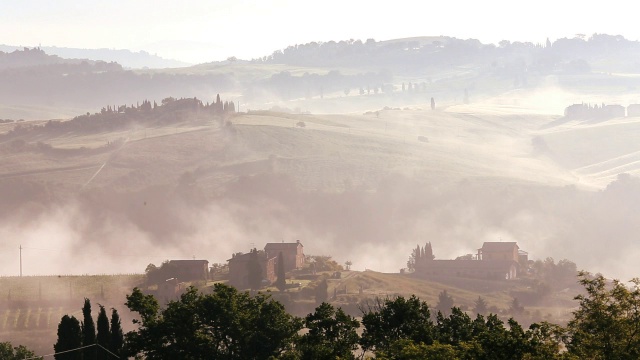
<point>31,318</point>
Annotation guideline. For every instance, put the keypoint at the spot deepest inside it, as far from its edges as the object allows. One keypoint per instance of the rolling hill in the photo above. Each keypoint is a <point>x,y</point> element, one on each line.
<point>362,186</point>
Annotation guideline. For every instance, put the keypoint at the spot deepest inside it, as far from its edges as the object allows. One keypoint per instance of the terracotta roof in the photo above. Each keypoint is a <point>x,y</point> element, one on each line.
<point>498,246</point>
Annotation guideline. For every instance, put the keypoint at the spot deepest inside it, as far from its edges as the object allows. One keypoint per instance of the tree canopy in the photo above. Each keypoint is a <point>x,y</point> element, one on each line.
<point>228,324</point>
<point>225,324</point>
<point>9,352</point>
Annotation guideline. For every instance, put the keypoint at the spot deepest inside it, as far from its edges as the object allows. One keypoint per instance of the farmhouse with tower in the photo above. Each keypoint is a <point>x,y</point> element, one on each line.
<point>493,261</point>
<point>292,256</point>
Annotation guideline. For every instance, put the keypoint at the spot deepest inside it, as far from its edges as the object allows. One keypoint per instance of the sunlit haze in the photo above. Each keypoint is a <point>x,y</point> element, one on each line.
<point>204,31</point>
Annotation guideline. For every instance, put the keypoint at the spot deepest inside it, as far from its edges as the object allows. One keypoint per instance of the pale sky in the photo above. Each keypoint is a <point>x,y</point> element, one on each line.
<point>202,31</point>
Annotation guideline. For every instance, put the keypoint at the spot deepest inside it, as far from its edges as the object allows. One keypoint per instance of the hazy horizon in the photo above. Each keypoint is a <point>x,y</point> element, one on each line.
<point>201,31</point>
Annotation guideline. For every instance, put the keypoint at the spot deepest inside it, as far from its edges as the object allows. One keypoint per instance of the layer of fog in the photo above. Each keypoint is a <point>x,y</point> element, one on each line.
<point>374,226</point>
<point>377,230</point>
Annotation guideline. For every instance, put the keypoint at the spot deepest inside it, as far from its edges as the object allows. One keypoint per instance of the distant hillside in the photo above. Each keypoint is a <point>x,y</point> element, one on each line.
<point>333,77</point>
<point>127,58</point>
<point>33,78</point>
<point>576,55</point>
<point>26,57</point>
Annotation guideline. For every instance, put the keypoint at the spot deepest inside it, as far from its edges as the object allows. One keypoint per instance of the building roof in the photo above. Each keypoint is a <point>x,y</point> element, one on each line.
<point>247,256</point>
<point>498,246</point>
<point>278,246</point>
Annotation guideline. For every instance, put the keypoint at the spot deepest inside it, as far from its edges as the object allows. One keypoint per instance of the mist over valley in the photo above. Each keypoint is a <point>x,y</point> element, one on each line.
<point>298,180</point>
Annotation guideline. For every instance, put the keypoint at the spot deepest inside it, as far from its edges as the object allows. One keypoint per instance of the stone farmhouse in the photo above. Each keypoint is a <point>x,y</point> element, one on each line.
<point>493,261</point>
<point>292,256</point>
<point>239,268</point>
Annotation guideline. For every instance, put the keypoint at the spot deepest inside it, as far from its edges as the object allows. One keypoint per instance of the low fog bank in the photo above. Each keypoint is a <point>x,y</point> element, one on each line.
<point>106,231</point>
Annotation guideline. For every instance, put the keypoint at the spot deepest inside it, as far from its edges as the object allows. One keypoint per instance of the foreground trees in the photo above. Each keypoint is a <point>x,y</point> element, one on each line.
<point>76,338</point>
<point>332,335</point>
<point>607,323</point>
<point>9,352</point>
<point>388,321</point>
<point>88,331</point>
<point>69,338</point>
<point>227,324</point>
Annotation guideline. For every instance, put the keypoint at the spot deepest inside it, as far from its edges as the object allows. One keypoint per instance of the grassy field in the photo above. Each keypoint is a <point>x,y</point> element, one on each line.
<point>322,155</point>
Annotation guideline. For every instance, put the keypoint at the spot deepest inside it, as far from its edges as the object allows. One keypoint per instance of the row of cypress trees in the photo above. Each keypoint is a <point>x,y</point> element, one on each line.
<point>73,334</point>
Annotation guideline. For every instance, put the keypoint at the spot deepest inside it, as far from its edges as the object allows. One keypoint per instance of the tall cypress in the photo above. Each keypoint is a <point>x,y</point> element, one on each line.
<point>254,270</point>
<point>281,284</point>
<point>69,337</point>
<point>322,292</point>
<point>103,336</point>
<point>88,331</point>
<point>117,336</point>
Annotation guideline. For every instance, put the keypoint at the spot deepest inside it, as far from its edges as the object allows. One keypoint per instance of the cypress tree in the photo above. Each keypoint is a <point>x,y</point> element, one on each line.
<point>117,336</point>
<point>281,284</point>
<point>69,337</point>
<point>103,335</point>
<point>88,331</point>
<point>322,292</point>
<point>254,270</point>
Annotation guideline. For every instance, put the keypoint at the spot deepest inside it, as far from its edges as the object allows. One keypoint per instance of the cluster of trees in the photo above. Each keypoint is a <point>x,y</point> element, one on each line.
<point>323,263</point>
<point>288,86</point>
<point>158,274</point>
<point>115,117</point>
<point>414,88</point>
<point>80,340</point>
<point>9,352</point>
<point>588,111</point>
<point>227,324</point>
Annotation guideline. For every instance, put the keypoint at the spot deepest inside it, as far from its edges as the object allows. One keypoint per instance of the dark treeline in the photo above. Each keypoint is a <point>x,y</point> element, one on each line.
<point>226,324</point>
<point>112,117</point>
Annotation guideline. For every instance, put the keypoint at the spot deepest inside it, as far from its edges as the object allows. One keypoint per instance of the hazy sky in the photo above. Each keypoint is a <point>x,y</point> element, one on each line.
<point>200,31</point>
